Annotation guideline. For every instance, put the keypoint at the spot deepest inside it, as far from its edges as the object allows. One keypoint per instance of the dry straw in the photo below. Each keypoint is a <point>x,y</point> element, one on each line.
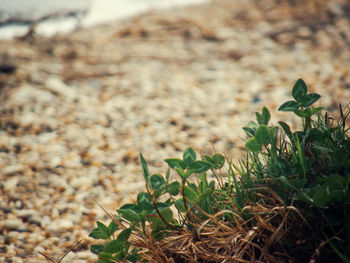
<point>260,239</point>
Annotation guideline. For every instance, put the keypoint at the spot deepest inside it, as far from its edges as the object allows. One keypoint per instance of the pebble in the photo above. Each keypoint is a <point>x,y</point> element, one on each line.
<point>10,184</point>
<point>12,169</point>
<point>83,254</point>
<point>27,93</point>
<point>57,86</point>
<point>35,220</point>
<point>13,224</point>
<point>60,225</point>
<point>26,213</point>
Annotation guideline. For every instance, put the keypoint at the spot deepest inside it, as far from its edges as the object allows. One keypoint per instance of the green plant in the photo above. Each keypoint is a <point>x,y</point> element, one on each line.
<point>191,201</point>
<point>309,168</point>
<point>289,199</point>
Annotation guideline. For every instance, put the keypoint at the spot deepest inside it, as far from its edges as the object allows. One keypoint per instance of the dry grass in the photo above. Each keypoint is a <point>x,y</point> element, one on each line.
<point>262,238</point>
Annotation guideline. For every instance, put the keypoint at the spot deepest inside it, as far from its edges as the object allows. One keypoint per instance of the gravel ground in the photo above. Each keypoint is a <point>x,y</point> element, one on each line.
<point>77,109</point>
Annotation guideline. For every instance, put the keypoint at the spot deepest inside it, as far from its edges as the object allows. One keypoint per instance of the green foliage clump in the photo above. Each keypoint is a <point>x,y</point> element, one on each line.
<point>288,200</point>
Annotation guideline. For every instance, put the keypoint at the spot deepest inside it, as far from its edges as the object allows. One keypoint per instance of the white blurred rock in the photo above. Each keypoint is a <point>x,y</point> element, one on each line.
<point>11,183</point>
<point>57,86</point>
<point>27,92</point>
<point>12,169</point>
<point>13,224</point>
<point>26,212</point>
<point>59,225</point>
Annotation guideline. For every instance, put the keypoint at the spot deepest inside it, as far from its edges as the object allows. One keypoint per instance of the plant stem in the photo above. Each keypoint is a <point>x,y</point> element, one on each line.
<point>158,212</point>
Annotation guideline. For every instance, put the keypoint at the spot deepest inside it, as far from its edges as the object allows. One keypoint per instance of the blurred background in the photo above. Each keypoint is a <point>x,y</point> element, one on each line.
<point>78,103</point>
<point>53,17</point>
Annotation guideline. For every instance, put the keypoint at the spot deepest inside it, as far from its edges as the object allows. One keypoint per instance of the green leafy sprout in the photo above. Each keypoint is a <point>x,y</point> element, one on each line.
<point>292,190</point>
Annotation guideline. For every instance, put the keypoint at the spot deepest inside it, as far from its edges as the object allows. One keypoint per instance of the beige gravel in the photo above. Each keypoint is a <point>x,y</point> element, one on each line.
<point>79,108</point>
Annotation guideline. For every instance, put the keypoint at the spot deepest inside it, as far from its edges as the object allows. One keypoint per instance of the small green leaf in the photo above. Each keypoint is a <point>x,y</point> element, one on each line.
<point>309,99</point>
<point>157,182</point>
<point>104,260</point>
<point>286,129</point>
<point>299,90</point>
<point>252,124</point>
<point>289,106</point>
<point>262,135</point>
<point>303,113</point>
<point>97,249</point>
<point>173,188</point>
<point>124,235</point>
<point>200,166</point>
<point>162,205</point>
<point>259,118</point>
<point>97,234</point>
<point>249,131</point>
<point>112,227</point>
<point>219,160</point>
<point>287,183</point>
<point>180,205</point>
<point>264,118</point>
<point>167,214</point>
<point>144,201</point>
<point>176,163</point>
<point>317,109</point>
<point>189,156</point>
<point>320,196</point>
<point>253,146</point>
<point>144,168</point>
<point>304,198</point>
<point>114,246</point>
<point>250,128</point>
<point>190,194</point>
<point>102,233</point>
<point>129,214</point>
<point>167,175</point>
<point>107,257</point>
<point>266,115</point>
<point>208,158</point>
<point>134,207</point>
<point>316,135</point>
<point>102,227</point>
<point>133,256</point>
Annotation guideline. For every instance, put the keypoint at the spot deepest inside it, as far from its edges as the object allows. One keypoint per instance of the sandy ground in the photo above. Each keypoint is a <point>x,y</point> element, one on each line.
<point>77,109</point>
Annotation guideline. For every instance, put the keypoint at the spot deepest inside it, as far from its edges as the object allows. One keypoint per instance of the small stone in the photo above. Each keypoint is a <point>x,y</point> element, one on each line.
<point>60,225</point>
<point>19,204</point>
<point>335,9</point>
<point>12,169</point>
<point>13,224</point>
<point>25,213</point>
<point>27,92</point>
<point>83,254</point>
<point>11,184</point>
<point>304,32</point>
<point>35,220</point>
<point>57,86</point>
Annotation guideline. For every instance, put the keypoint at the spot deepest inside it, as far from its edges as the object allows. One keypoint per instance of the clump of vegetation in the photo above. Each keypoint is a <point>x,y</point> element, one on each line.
<point>288,200</point>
